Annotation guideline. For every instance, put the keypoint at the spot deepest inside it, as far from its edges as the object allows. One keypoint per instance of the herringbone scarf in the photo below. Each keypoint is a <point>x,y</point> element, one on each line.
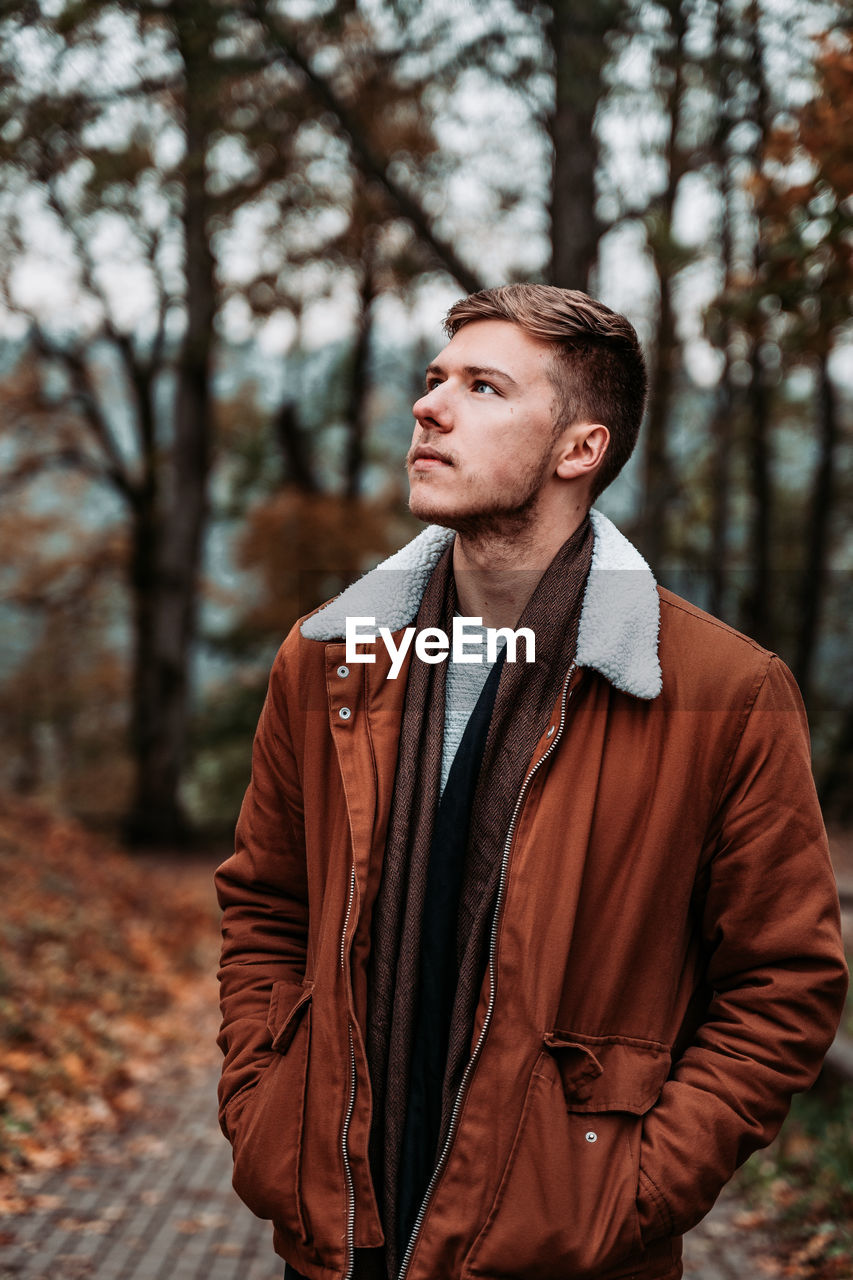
<point>524,702</point>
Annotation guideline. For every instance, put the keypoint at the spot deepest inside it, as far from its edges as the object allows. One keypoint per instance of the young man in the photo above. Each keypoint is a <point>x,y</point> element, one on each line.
<point>522,959</point>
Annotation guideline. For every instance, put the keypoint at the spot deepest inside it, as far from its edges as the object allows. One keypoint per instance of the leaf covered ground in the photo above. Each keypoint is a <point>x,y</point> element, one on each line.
<point>106,964</point>
<point>801,1188</point>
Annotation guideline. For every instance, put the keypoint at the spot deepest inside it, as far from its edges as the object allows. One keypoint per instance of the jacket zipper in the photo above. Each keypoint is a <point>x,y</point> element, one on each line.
<point>472,1061</point>
<point>350,1245</point>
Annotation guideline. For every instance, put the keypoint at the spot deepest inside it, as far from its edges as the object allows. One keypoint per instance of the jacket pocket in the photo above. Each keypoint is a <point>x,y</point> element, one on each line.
<point>567,1200</point>
<point>268,1129</point>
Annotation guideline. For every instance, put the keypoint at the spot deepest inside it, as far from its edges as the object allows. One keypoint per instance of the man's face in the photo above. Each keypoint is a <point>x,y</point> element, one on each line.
<point>484,443</point>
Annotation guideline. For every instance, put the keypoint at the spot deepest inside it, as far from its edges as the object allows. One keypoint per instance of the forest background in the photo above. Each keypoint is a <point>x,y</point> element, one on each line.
<point>228,234</point>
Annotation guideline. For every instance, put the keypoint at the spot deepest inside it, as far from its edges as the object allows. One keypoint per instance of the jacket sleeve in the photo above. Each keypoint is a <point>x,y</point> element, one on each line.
<point>768,910</point>
<point>263,892</point>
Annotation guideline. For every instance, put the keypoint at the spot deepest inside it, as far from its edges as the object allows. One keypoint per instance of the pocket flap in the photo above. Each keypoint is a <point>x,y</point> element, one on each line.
<point>609,1073</point>
<point>288,1002</point>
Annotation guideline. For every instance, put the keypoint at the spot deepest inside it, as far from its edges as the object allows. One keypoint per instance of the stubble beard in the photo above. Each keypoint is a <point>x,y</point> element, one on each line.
<point>512,518</point>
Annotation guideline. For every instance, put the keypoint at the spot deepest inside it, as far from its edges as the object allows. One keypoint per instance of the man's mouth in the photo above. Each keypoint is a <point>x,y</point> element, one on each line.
<point>423,458</point>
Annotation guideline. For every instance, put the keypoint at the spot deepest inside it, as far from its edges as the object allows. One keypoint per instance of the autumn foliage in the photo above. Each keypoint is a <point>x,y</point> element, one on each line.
<point>101,960</point>
<point>806,223</point>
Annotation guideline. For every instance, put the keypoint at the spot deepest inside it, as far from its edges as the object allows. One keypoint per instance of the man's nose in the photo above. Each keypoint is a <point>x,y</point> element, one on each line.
<point>433,410</point>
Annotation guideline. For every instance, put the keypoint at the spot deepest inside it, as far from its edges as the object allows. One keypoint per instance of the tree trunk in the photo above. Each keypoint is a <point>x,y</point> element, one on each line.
<point>145,586</point>
<point>658,483</point>
<point>293,444</point>
<point>720,480</point>
<point>658,479</point>
<point>815,569</point>
<point>162,725</point>
<point>722,426</point>
<point>577,32</point>
<point>356,417</point>
<point>835,792</point>
<point>758,605</point>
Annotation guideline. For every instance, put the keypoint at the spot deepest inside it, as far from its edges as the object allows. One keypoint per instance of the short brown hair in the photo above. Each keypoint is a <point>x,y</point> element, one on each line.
<point>598,374</point>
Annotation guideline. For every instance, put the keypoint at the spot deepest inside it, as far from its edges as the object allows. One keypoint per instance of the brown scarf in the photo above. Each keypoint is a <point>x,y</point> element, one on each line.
<point>525,698</point>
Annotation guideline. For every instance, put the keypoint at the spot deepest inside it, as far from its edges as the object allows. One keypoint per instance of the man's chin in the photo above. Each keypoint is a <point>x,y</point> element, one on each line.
<point>433,512</point>
<point>493,522</point>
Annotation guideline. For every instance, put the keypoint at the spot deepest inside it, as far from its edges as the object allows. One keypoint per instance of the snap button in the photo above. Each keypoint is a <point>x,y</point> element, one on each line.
<point>343,672</point>
<point>345,713</point>
<point>550,732</point>
<point>592,1136</point>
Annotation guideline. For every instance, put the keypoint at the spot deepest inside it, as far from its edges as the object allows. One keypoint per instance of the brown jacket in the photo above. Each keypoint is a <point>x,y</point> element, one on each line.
<point>665,965</point>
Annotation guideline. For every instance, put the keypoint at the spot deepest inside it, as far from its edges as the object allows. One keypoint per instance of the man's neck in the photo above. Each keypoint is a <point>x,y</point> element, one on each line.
<point>496,576</point>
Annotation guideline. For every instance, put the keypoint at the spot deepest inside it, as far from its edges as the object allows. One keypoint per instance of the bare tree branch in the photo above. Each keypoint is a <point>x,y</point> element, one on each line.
<point>36,464</point>
<point>164,301</point>
<point>92,414</point>
<point>371,163</point>
<point>115,471</point>
<point>121,340</point>
<point>138,377</point>
<point>56,596</point>
<point>145,87</point>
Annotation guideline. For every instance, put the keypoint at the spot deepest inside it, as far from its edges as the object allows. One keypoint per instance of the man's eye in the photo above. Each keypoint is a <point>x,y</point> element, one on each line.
<point>485,386</point>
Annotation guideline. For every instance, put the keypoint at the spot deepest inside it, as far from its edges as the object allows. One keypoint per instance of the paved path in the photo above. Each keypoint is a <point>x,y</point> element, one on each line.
<point>154,1204</point>
<point>157,1204</point>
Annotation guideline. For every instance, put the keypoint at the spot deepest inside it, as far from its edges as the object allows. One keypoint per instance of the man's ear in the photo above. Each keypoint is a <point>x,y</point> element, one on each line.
<point>582,450</point>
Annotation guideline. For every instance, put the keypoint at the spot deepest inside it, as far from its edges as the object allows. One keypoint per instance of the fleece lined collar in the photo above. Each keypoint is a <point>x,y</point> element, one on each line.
<point>620,615</point>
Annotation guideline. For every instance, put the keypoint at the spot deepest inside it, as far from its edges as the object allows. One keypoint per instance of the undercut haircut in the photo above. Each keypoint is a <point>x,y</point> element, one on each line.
<point>598,372</point>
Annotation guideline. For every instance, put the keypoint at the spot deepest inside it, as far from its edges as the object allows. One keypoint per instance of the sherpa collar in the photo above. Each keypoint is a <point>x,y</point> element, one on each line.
<point>620,615</point>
